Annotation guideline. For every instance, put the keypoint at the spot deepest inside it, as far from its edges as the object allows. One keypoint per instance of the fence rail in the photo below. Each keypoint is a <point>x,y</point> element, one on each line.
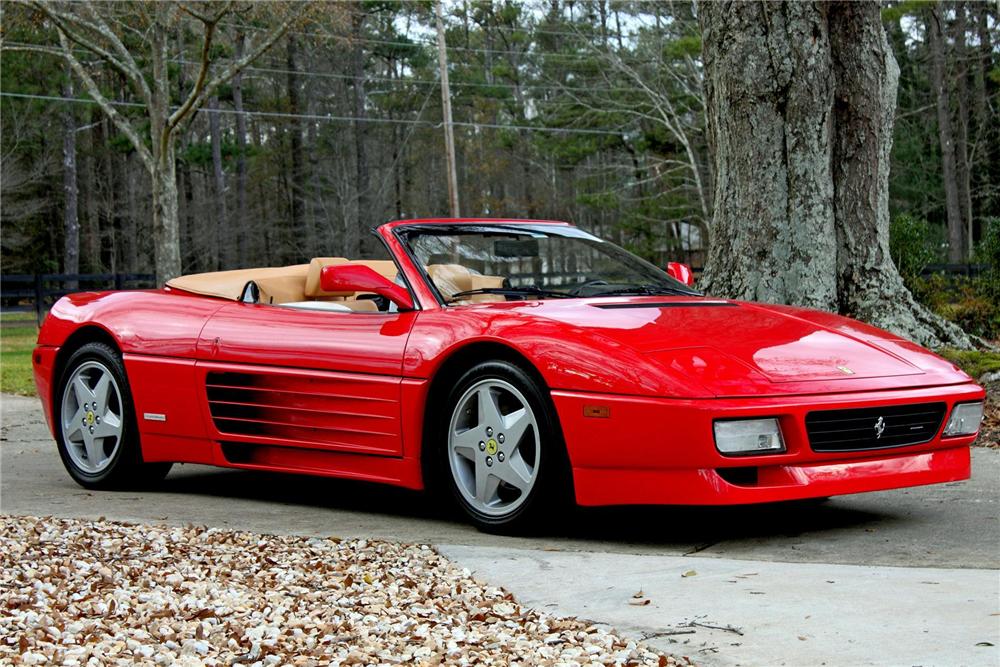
<point>36,292</point>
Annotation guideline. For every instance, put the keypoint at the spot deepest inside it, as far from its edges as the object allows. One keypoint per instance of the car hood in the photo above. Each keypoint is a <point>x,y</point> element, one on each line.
<point>733,348</point>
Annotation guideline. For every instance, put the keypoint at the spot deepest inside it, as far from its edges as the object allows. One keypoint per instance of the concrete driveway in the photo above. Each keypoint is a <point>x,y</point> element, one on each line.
<point>920,586</point>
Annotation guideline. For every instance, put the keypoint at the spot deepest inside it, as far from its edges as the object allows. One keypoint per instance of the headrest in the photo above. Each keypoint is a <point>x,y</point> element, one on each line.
<point>450,279</point>
<point>316,266</point>
<point>385,267</point>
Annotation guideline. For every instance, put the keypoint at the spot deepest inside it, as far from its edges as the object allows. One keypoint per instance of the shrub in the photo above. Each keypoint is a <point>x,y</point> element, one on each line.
<point>988,252</point>
<point>912,244</point>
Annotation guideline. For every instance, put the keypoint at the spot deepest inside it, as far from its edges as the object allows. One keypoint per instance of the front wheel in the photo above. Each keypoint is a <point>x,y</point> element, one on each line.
<point>504,457</point>
<point>95,424</point>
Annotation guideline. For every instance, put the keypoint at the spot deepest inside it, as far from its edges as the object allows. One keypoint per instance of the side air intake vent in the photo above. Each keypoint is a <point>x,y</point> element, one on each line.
<point>324,412</point>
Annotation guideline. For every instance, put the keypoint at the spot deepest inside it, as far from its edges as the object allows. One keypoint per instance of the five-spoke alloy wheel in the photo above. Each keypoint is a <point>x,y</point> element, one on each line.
<point>97,435</point>
<point>91,415</point>
<point>493,440</point>
<point>502,448</point>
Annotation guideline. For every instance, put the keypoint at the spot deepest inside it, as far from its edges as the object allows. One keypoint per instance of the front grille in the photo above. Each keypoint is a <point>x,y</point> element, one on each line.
<point>858,429</point>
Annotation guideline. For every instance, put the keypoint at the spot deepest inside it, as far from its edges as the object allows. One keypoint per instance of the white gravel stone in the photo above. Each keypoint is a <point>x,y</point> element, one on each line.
<point>104,593</point>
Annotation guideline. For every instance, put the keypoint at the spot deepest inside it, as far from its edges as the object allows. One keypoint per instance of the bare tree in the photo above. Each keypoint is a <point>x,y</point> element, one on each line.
<point>241,158</point>
<point>222,253</point>
<point>946,135</point>
<point>102,30</point>
<point>71,218</point>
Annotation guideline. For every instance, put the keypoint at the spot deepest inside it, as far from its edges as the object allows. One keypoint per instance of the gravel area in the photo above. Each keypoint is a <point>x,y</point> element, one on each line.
<point>80,592</point>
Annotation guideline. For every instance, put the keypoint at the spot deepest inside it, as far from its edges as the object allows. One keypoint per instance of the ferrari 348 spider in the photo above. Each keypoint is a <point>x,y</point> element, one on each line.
<point>509,363</point>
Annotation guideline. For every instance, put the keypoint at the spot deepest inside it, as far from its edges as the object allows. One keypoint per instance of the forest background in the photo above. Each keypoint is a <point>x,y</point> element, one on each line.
<point>587,111</point>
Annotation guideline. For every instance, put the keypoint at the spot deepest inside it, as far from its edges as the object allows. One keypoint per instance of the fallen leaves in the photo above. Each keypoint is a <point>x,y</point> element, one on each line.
<point>97,592</point>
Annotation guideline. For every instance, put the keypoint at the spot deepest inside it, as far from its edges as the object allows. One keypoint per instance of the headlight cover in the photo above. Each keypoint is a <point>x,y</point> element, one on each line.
<point>741,437</point>
<point>965,419</point>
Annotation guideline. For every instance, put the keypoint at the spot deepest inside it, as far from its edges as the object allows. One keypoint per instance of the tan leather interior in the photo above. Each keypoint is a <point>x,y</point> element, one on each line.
<point>451,279</point>
<point>283,285</point>
<point>230,284</point>
<point>300,283</point>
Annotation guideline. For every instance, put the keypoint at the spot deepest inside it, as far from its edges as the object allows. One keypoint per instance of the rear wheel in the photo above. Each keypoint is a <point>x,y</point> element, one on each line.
<point>96,427</point>
<point>504,458</point>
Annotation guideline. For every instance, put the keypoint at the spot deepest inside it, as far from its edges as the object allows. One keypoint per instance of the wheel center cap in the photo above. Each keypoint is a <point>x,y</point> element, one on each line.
<point>90,417</point>
<point>491,447</point>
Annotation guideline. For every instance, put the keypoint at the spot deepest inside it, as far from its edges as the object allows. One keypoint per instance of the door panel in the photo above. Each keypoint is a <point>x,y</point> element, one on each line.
<point>318,380</point>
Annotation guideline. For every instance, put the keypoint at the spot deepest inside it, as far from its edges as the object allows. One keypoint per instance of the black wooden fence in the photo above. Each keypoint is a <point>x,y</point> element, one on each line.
<point>36,292</point>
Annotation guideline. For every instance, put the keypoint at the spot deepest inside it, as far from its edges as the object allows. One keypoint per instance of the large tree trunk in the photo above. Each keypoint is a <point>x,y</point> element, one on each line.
<point>166,228</point>
<point>800,100</point>
<point>769,97</point>
<point>866,75</point>
<point>946,136</point>
<point>71,220</point>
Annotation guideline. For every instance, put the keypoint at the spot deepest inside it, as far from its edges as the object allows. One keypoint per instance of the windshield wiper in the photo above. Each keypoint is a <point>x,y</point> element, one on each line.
<point>533,290</point>
<point>646,289</point>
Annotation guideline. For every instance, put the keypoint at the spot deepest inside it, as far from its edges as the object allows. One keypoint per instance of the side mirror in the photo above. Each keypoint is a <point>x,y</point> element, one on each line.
<point>681,272</point>
<point>361,278</point>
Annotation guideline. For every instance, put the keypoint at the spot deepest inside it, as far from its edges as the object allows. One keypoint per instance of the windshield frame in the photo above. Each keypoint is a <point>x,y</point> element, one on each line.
<point>403,232</point>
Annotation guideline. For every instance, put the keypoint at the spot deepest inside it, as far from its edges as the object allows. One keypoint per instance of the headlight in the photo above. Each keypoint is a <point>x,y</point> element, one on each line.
<point>965,419</point>
<point>748,436</point>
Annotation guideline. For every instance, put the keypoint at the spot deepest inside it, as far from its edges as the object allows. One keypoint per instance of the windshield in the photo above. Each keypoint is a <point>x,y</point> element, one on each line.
<point>477,263</point>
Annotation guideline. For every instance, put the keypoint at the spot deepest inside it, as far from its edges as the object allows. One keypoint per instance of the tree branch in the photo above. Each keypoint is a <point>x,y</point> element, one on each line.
<point>94,91</point>
<point>105,30</point>
<point>203,91</point>
<point>66,23</point>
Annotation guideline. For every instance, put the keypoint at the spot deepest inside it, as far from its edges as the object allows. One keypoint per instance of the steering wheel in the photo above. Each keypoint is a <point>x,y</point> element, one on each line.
<point>589,283</point>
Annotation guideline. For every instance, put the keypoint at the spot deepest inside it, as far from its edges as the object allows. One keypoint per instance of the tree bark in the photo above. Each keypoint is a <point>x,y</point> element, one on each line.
<point>946,136</point>
<point>769,102</point>
<point>71,220</point>
<point>801,100</point>
<point>866,74</point>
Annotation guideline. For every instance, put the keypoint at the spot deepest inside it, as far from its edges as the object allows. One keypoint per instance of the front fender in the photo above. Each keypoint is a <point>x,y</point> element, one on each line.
<point>568,357</point>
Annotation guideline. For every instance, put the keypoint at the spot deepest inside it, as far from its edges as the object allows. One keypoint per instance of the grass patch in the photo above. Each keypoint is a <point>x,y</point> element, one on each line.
<point>974,362</point>
<point>18,334</point>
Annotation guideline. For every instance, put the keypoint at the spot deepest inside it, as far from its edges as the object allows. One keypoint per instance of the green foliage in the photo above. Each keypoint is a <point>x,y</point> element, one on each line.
<point>968,302</point>
<point>17,340</point>
<point>912,246</point>
<point>971,303</point>
<point>974,362</point>
<point>988,252</point>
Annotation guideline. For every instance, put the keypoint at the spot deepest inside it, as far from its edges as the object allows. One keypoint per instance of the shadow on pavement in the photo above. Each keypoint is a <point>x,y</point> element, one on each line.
<point>639,525</point>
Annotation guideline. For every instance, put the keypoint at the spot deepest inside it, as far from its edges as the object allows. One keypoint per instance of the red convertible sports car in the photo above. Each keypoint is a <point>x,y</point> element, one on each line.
<point>511,363</point>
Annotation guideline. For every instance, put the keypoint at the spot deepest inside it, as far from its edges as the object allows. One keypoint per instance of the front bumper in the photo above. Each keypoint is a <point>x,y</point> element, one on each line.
<point>43,363</point>
<point>661,451</point>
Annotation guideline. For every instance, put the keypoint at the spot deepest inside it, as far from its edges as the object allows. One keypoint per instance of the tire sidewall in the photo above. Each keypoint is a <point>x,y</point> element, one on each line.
<point>127,455</point>
<point>551,461</point>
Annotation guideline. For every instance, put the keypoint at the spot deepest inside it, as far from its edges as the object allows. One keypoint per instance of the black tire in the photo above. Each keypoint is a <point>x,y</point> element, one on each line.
<point>126,469</point>
<point>552,489</point>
